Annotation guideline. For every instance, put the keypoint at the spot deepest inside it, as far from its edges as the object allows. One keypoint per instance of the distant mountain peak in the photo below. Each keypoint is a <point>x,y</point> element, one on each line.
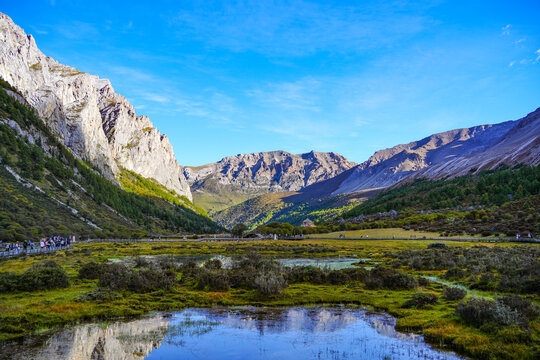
<point>248,175</point>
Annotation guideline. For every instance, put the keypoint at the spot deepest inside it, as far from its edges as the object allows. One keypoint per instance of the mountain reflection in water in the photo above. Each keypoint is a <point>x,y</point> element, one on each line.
<point>239,333</point>
<point>294,333</point>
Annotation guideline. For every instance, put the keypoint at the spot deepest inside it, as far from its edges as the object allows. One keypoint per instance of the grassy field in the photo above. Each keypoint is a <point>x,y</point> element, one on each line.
<point>23,313</point>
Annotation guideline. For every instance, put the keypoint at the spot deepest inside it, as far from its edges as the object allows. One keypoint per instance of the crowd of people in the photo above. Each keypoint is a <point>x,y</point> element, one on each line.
<point>47,243</point>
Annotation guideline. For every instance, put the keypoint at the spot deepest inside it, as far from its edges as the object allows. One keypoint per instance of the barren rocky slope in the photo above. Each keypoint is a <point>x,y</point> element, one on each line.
<point>83,110</point>
<point>520,145</point>
<point>389,166</point>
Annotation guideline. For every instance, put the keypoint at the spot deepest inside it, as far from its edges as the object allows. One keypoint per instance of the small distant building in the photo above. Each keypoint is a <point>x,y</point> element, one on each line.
<point>308,223</point>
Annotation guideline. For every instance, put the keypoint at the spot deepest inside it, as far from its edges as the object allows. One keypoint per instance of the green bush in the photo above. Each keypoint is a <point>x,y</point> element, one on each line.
<point>41,276</point>
<point>99,295</point>
<point>480,312</point>
<point>523,306</point>
<point>454,293</point>
<point>215,280</point>
<point>117,277</point>
<point>381,277</point>
<point>91,270</point>
<point>270,283</point>
<point>419,300</point>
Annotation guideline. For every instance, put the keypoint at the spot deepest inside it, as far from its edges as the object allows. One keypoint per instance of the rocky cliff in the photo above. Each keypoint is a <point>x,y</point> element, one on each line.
<point>248,175</point>
<point>83,110</point>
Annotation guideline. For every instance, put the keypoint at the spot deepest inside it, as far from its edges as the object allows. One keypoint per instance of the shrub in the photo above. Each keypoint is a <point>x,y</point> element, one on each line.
<point>422,281</point>
<point>217,280</point>
<point>437,246</point>
<point>270,283</point>
<point>479,312</point>
<point>114,277</point>
<point>9,282</point>
<point>310,274</point>
<point>151,279</point>
<point>213,264</point>
<point>118,277</point>
<point>419,300</point>
<point>381,277</point>
<point>523,306</point>
<point>99,295</point>
<point>90,270</point>
<point>455,273</point>
<point>41,276</point>
<point>141,261</point>
<point>454,293</point>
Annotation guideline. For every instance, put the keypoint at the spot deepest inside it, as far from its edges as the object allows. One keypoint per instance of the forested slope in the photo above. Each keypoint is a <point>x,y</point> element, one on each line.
<point>505,201</point>
<point>46,190</point>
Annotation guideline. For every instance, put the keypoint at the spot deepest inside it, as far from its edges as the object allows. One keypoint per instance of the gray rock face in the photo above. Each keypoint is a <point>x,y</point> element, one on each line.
<point>520,145</point>
<point>264,172</point>
<point>389,166</point>
<point>84,111</point>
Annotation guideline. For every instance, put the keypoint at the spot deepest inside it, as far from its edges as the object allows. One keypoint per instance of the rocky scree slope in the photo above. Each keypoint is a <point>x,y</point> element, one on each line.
<point>249,175</point>
<point>83,110</point>
<point>427,157</point>
<point>520,145</point>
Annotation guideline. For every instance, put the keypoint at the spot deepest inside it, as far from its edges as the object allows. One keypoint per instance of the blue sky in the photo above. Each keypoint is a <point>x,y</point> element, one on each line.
<point>222,78</point>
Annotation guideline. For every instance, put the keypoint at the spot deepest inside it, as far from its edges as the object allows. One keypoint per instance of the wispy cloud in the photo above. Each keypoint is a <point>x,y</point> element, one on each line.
<point>133,74</point>
<point>157,98</point>
<point>301,94</point>
<point>505,30</point>
<point>298,27</point>
<point>78,30</point>
<point>537,53</point>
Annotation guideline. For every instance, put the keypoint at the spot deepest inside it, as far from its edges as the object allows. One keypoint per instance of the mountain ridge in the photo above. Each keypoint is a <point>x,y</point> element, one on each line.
<point>443,155</point>
<point>93,121</point>
<point>243,176</point>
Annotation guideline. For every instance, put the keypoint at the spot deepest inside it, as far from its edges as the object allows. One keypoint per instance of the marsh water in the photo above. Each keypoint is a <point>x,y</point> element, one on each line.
<point>332,263</point>
<point>235,333</point>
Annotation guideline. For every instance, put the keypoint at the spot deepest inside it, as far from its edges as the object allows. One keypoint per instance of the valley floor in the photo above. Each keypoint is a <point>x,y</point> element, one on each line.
<point>37,312</point>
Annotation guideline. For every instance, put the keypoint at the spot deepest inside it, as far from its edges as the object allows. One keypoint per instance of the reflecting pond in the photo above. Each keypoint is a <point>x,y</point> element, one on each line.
<point>333,263</point>
<point>330,263</point>
<point>235,333</point>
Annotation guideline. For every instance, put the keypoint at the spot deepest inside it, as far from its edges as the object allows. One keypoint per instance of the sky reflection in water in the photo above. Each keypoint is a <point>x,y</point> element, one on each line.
<point>296,333</point>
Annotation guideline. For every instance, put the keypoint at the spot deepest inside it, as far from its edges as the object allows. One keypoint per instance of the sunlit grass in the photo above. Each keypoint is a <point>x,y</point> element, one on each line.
<point>37,312</point>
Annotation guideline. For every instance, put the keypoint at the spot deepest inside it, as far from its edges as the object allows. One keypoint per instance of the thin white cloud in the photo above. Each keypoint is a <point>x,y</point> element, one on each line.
<point>157,98</point>
<point>132,73</point>
<point>297,28</point>
<point>517,42</point>
<point>302,94</point>
<point>537,52</point>
<point>78,30</point>
<point>506,29</point>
